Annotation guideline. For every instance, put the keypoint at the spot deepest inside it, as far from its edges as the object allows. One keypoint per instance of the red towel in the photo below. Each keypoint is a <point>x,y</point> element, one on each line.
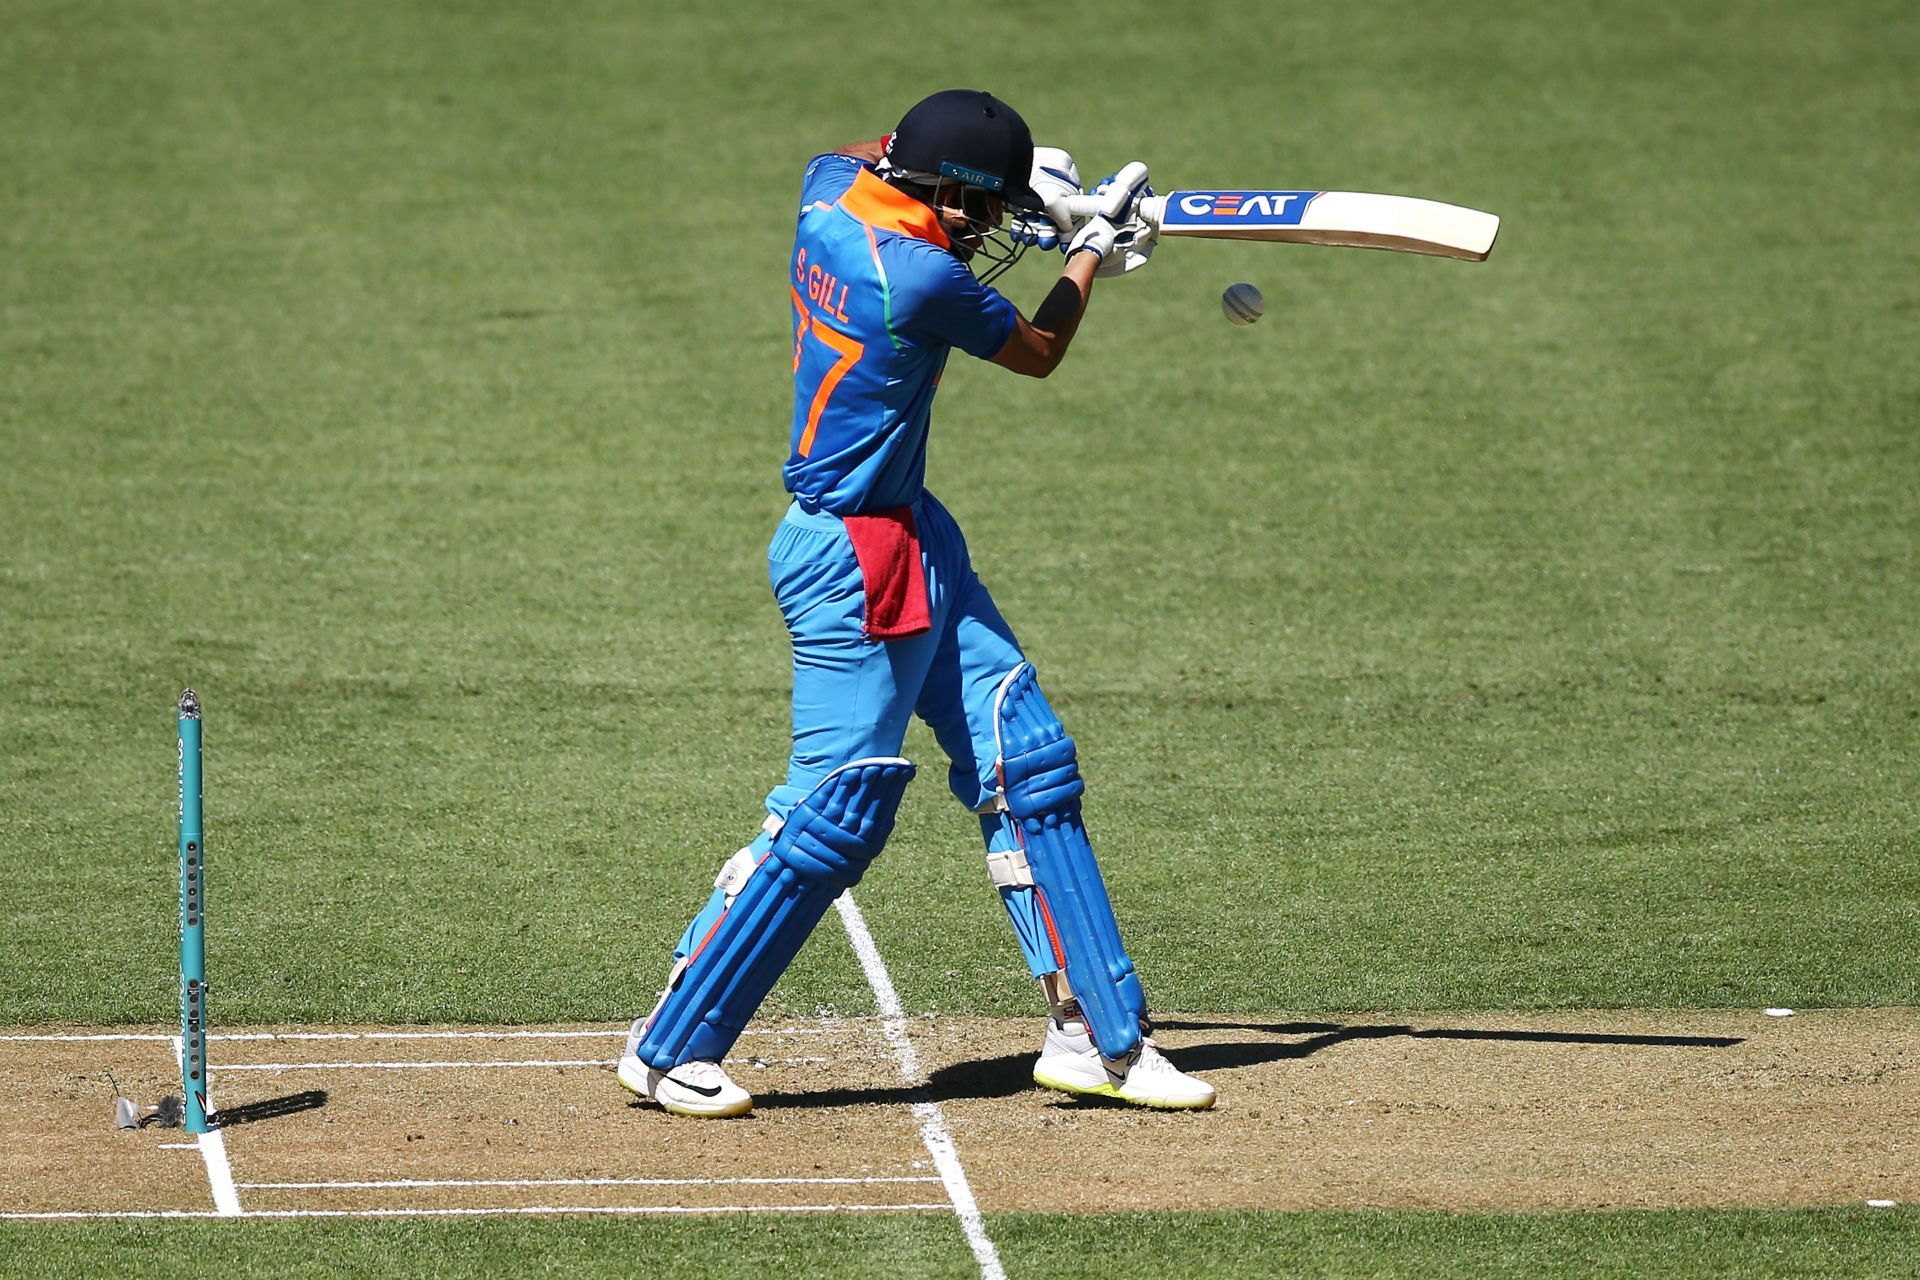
<point>888,548</point>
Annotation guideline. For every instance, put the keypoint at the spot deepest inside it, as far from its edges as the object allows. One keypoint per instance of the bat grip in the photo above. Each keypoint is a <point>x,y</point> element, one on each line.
<point>1148,210</point>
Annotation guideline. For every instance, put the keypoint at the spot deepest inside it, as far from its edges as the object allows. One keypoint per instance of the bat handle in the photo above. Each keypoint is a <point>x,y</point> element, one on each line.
<point>1150,208</point>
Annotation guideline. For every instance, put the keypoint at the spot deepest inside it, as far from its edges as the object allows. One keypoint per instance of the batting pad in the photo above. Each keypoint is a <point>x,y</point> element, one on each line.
<point>1041,785</point>
<point>1013,880</point>
<point>824,848</point>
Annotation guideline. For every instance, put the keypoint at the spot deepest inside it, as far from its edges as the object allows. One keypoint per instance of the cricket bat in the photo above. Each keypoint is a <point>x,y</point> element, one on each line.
<point>1351,219</point>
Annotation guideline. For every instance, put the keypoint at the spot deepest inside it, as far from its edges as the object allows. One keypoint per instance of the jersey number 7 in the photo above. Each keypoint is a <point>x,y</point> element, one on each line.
<point>848,349</point>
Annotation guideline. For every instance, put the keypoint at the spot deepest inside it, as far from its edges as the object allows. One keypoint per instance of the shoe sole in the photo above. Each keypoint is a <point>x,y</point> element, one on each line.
<point>712,1113</point>
<point>1105,1090</point>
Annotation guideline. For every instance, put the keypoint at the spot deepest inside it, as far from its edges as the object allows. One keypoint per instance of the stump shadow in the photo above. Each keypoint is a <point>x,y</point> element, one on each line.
<point>269,1108</point>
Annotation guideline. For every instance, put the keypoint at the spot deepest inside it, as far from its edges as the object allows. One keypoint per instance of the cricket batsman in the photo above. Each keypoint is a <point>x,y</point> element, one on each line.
<point>887,618</point>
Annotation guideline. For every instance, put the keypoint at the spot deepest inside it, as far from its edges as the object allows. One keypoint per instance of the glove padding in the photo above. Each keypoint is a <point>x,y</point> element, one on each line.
<point>1055,179</point>
<point>1122,238</point>
<point>1120,192</point>
<point>1097,236</point>
<point>1132,246</point>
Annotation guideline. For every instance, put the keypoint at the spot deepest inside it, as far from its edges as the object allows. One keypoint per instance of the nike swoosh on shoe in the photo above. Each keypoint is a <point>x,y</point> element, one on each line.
<point>702,1090</point>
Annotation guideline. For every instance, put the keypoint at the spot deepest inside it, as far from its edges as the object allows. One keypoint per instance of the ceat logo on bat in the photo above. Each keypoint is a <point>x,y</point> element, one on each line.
<point>1249,208</point>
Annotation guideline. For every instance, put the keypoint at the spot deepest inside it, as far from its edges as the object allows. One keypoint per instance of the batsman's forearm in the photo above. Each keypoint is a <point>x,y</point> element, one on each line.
<point>1036,347</point>
<point>1059,315</point>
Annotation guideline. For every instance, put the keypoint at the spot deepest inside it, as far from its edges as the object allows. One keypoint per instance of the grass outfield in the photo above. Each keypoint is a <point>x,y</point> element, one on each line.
<point>1753,1246</point>
<point>409,380</point>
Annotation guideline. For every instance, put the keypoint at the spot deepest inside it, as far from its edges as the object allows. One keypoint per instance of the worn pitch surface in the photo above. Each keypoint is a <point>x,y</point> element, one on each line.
<point>1488,1111</point>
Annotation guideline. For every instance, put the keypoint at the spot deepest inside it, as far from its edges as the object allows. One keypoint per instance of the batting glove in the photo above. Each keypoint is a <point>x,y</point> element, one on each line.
<point>1124,241</point>
<point>1132,246</point>
<point>1035,230</point>
<point>1121,191</point>
<point>1055,179</point>
<point>1098,236</point>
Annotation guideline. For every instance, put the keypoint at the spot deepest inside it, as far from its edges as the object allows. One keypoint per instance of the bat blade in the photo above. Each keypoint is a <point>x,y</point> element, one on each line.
<point>1348,219</point>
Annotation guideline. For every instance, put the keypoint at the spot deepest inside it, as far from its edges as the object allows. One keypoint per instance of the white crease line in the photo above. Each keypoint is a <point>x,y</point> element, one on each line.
<point>124,1213</point>
<point>593,1034</point>
<point>484,1062</point>
<point>588,1208</point>
<point>405,1066</point>
<point>575,1182</point>
<point>691,1210</point>
<point>619,1033</point>
<point>934,1134</point>
<point>114,1035</point>
<point>213,1148</point>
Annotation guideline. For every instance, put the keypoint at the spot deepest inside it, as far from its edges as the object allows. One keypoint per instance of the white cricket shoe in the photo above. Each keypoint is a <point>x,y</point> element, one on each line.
<point>1070,1063</point>
<point>691,1089</point>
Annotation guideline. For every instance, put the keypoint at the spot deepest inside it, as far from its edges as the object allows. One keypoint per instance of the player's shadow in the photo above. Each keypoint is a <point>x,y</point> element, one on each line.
<point>270,1108</point>
<point>1012,1073</point>
<point>1000,1077</point>
<point>1325,1035</point>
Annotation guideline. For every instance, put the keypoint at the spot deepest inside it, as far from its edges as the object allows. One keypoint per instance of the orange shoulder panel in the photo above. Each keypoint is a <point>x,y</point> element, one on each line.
<point>884,209</point>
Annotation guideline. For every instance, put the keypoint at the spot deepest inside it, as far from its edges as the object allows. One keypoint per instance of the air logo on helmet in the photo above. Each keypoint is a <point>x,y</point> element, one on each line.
<point>973,177</point>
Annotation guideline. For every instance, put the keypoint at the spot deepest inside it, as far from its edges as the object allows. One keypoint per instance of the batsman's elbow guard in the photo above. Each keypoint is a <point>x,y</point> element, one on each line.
<point>824,847</point>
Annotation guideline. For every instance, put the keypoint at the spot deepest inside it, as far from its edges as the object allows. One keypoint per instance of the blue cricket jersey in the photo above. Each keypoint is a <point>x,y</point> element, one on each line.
<point>878,301</point>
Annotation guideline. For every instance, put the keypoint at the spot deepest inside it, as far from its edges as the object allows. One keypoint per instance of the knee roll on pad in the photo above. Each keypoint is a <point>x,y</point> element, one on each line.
<point>1040,783</point>
<point>824,848</point>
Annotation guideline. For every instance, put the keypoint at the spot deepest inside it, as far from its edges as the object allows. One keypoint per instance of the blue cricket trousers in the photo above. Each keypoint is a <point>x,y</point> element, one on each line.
<point>852,695</point>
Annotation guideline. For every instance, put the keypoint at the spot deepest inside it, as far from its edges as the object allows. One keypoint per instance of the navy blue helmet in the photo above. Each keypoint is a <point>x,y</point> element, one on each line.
<point>970,137</point>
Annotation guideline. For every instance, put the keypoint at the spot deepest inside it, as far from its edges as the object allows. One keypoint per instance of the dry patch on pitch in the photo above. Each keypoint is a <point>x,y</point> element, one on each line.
<point>1488,1111</point>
